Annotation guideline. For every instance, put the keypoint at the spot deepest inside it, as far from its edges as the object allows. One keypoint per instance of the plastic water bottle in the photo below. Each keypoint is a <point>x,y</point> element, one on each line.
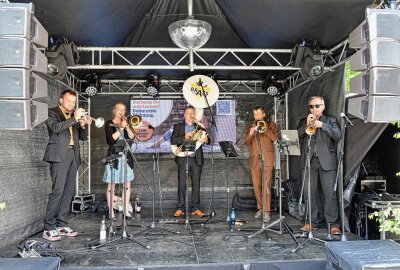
<point>138,206</point>
<point>103,232</point>
<point>233,216</point>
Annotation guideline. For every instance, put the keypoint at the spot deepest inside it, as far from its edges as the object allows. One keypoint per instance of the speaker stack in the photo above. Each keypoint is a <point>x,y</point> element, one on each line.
<point>21,62</point>
<point>375,92</point>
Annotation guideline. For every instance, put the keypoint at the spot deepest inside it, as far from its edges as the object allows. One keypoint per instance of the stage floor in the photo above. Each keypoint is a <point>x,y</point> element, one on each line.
<point>212,243</point>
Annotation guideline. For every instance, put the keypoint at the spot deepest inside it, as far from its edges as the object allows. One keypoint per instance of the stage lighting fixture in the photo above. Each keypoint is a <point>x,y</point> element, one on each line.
<point>60,54</point>
<point>92,85</point>
<point>271,86</point>
<point>190,33</point>
<point>313,63</point>
<point>309,58</point>
<point>153,85</point>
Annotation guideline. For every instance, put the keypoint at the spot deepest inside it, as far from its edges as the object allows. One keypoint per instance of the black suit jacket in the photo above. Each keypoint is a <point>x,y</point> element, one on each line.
<point>178,135</point>
<point>326,142</point>
<point>59,136</point>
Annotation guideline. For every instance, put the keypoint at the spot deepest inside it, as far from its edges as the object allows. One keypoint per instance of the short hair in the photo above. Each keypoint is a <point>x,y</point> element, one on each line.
<point>258,107</point>
<point>314,97</point>
<point>115,105</point>
<point>189,107</point>
<point>68,91</point>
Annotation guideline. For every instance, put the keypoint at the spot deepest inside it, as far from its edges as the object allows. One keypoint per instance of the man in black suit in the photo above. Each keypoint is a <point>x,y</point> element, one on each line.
<point>65,128</point>
<point>183,131</point>
<point>323,161</point>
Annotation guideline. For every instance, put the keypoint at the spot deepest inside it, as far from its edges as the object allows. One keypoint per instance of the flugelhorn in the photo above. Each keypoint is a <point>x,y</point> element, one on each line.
<point>98,122</point>
<point>310,129</point>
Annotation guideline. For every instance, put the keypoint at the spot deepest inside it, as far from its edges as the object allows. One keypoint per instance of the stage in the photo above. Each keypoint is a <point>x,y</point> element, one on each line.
<point>209,245</point>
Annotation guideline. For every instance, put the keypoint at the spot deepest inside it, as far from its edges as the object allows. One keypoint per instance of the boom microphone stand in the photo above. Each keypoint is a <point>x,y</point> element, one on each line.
<point>124,235</point>
<point>307,169</point>
<point>278,178</point>
<point>213,129</point>
<point>152,226</point>
<point>339,177</point>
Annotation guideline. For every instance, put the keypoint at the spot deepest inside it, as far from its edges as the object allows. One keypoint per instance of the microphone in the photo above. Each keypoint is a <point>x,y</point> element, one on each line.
<point>346,118</point>
<point>150,127</point>
<point>113,125</point>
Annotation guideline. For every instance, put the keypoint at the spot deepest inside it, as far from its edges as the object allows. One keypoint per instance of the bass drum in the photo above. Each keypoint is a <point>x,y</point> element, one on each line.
<point>196,87</point>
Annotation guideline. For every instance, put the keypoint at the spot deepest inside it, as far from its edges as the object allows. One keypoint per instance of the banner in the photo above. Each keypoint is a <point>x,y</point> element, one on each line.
<point>160,116</point>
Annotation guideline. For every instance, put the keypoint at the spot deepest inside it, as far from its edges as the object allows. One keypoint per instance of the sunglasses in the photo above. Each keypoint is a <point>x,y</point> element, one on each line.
<point>316,106</point>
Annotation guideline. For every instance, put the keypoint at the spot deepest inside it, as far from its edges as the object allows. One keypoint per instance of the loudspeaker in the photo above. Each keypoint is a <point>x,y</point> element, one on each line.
<point>377,81</point>
<point>378,109</point>
<point>377,39</point>
<point>20,53</point>
<point>22,114</point>
<point>379,24</point>
<point>382,53</point>
<point>19,83</point>
<point>17,20</point>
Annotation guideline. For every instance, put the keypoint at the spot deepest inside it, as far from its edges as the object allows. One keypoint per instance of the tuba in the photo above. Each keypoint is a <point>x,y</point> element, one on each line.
<point>310,129</point>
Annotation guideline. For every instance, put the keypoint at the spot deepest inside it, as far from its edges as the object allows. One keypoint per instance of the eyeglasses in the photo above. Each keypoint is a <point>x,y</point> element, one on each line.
<point>316,106</point>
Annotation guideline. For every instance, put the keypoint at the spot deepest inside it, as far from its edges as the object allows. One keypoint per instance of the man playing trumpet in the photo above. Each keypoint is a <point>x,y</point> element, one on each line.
<point>323,161</point>
<point>181,132</point>
<point>66,127</point>
<point>264,146</point>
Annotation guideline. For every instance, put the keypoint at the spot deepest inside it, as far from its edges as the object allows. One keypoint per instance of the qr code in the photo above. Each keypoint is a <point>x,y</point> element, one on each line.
<point>224,107</point>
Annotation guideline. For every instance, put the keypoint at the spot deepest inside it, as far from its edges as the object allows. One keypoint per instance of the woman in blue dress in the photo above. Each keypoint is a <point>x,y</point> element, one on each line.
<point>117,130</point>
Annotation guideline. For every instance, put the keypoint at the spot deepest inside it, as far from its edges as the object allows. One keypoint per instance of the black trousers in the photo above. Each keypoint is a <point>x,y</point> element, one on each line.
<point>327,181</point>
<point>195,175</point>
<point>63,175</point>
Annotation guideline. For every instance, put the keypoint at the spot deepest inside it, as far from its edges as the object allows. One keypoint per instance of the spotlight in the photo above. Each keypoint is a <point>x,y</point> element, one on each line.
<point>309,58</point>
<point>271,86</point>
<point>313,64</point>
<point>153,85</point>
<point>92,85</point>
<point>60,54</point>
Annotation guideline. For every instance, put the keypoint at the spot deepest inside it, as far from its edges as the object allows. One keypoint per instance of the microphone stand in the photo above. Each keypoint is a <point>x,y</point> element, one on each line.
<point>307,169</point>
<point>340,180</point>
<point>213,129</point>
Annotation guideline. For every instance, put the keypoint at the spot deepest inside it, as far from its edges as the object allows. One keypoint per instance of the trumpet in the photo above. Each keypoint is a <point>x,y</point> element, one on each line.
<point>310,129</point>
<point>98,122</point>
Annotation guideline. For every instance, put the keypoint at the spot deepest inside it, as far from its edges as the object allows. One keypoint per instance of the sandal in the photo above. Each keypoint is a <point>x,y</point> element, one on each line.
<point>67,231</point>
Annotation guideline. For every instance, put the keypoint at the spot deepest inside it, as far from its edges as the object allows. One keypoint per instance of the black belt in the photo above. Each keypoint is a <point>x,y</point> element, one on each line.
<point>70,147</point>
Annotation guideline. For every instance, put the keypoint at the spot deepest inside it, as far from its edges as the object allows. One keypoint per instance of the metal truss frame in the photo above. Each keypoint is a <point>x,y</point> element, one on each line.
<point>121,58</point>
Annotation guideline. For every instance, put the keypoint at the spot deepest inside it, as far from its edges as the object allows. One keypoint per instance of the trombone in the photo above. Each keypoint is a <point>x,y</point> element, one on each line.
<point>261,126</point>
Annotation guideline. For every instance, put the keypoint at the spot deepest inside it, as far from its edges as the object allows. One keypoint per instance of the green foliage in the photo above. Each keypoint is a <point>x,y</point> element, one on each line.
<point>349,74</point>
<point>389,219</point>
<point>2,205</point>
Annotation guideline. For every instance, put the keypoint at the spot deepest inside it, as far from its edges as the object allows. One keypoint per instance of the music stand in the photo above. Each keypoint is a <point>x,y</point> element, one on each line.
<point>229,150</point>
<point>188,147</point>
<point>290,140</point>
